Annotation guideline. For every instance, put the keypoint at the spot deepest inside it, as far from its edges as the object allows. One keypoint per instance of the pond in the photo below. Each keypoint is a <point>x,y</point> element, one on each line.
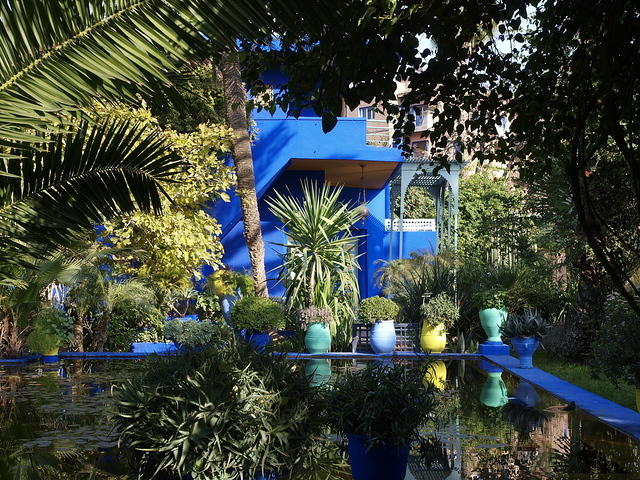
<point>489,425</point>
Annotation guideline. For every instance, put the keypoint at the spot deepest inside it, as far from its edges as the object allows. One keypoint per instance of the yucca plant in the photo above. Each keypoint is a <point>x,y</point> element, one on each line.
<point>319,265</point>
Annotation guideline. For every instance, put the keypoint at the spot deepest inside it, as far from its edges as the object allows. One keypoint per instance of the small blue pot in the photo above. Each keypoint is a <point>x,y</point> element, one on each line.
<point>383,337</point>
<point>258,340</point>
<point>49,358</point>
<point>525,348</point>
<point>383,462</point>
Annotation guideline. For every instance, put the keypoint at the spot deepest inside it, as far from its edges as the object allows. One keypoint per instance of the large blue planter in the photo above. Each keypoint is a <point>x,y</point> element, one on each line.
<point>384,462</point>
<point>383,337</point>
<point>525,347</point>
<point>318,338</point>
<point>258,340</point>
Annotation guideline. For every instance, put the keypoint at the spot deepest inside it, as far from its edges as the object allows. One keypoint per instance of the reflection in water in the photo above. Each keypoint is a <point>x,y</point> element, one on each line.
<point>476,433</point>
<point>318,371</point>
<point>436,375</point>
<point>494,391</point>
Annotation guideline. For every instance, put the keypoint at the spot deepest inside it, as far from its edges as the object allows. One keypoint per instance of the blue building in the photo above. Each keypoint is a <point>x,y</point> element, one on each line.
<point>288,150</point>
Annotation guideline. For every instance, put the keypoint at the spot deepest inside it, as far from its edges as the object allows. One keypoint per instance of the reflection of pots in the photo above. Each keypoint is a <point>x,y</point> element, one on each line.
<point>318,372</point>
<point>436,375</point>
<point>318,338</point>
<point>433,339</point>
<point>525,348</point>
<point>526,393</point>
<point>494,391</point>
<point>524,419</point>
<point>491,319</point>
<point>382,462</point>
<point>383,337</point>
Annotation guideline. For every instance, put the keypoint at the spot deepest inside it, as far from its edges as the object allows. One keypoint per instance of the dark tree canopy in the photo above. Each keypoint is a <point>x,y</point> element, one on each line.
<point>563,72</point>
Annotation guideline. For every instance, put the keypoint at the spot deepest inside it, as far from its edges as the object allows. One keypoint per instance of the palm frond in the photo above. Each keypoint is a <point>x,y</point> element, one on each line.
<point>79,179</point>
<point>57,56</point>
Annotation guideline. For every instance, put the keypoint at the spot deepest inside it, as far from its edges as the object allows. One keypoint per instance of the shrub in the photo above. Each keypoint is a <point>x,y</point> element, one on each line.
<point>440,309</point>
<point>228,282</point>
<point>52,329</point>
<point>309,315</point>
<point>616,347</point>
<point>385,403</point>
<point>224,414</point>
<point>529,323</point>
<point>194,334</point>
<point>134,315</point>
<point>374,309</point>
<point>491,298</point>
<point>258,313</point>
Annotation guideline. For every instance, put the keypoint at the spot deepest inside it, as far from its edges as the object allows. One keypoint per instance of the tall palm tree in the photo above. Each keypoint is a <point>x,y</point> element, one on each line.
<point>236,100</point>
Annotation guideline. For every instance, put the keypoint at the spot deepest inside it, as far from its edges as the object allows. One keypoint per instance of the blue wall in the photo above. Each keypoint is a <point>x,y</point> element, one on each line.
<point>280,139</point>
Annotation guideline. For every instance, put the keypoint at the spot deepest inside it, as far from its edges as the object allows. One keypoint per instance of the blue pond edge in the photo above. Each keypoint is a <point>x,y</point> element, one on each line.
<point>610,413</point>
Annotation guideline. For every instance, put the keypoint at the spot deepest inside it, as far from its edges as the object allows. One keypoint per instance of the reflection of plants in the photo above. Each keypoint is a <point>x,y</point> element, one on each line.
<point>573,457</point>
<point>432,455</point>
<point>524,419</point>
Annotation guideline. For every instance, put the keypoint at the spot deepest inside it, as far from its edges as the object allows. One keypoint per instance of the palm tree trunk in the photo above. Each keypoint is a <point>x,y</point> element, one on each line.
<point>236,100</point>
<point>78,332</point>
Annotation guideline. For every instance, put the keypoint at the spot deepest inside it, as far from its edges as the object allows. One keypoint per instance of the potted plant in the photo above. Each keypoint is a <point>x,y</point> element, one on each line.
<point>314,322</point>
<point>438,315</point>
<point>228,286</point>
<point>525,330</point>
<point>257,316</point>
<point>382,313</point>
<point>380,409</point>
<point>492,303</point>
<point>52,329</point>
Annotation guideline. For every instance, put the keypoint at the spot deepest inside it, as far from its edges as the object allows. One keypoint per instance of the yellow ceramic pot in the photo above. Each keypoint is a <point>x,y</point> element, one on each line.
<point>436,375</point>
<point>433,339</point>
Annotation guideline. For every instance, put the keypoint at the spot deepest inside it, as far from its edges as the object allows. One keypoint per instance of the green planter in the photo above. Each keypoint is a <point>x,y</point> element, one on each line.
<point>494,391</point>
<point>318,338</point>
<point>491,319</point>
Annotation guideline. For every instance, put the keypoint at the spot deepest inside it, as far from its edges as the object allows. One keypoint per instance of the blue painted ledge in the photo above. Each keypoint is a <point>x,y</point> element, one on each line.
<point>30,358</point>
<point>621,418</point>
<point>111,355</point>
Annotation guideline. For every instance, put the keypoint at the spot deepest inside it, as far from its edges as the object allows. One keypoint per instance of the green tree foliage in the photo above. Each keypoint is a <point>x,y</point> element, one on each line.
<point>417,204</point>
<point>169,250</point>
<point>493,223</point>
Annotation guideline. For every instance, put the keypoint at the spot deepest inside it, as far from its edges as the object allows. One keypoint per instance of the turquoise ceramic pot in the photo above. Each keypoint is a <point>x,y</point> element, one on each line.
<point>318,372</point>
<point>491,319</point>
<point>318,338</point>
<point>494,391</point>
<point>383,337</point>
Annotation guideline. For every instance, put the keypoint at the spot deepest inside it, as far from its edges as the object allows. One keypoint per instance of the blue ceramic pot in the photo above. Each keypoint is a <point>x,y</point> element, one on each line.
<point>525,347</point>
<point>258,340</point>
<point>226,305</point>
<point>318,338</point>
<point>383,337</point>
<point>49,358</point>
<point>383,462</point>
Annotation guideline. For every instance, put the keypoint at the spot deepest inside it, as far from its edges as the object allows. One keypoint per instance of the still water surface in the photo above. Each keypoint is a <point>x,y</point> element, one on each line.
<point>54,422</point>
